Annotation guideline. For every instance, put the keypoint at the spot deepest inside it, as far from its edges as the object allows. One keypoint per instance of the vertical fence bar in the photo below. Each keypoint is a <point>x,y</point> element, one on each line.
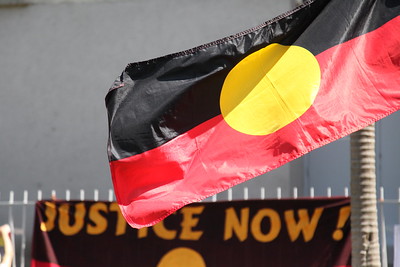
<point>346,191</point>
<point>262,193</point>
<point>246,193</point>
<point>383,228</point>
<point>39,195</point>
<point>398,205</point>
<point>96,195</point>
<point>230,194</point>
<point>23,235</point>
<point>312,192</point>
<point>11,199</point>
<point>53,194</point>
<point>82,195</point>
<point>279,193</point>
<point>110,195</point>
<point>295,192</point>
<point>11,223</point>
<point>67,195</point>
<point>329,192</point>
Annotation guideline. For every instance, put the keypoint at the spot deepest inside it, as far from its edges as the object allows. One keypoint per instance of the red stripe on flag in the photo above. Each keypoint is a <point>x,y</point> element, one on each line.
<point>359,85</point>
<point>36,263</point>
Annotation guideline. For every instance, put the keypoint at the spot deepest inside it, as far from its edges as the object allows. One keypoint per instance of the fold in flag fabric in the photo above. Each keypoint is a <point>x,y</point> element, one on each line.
<point>188,125</point>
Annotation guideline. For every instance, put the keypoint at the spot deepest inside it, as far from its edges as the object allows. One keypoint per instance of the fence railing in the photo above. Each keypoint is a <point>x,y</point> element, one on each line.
<point>19,213</point>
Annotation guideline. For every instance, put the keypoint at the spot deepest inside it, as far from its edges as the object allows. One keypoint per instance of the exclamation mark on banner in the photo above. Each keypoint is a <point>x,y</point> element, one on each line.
<point>344,215</point>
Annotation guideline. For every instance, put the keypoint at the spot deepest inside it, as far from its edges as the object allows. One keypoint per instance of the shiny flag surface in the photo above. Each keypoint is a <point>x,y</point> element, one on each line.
<point>188,125</point>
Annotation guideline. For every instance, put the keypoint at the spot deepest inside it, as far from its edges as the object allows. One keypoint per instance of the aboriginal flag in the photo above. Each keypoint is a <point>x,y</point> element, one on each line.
<point>188,125</point>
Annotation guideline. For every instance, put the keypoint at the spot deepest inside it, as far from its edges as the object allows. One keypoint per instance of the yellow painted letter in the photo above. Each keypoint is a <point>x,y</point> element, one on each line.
<point>100,223</point>
<point>162,232</point>
<point>303,225</point>
<point>275,225</point>
<point>232,224</point>
<point>50,212</point>
<point>121,223</point>
<point>63,221</point>
<point>189,222</point>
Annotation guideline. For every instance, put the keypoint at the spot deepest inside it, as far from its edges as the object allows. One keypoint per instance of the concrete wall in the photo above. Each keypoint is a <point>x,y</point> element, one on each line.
<point>57,62</point>
<point>330,165</point>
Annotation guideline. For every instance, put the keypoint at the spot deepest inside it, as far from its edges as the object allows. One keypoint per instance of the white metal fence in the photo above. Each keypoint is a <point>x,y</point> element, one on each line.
<point>17,210</point>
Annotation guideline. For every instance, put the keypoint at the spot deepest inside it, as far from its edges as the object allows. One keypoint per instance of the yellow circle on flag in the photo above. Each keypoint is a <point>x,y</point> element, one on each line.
<point>182,257</point>
<point>269,89</point>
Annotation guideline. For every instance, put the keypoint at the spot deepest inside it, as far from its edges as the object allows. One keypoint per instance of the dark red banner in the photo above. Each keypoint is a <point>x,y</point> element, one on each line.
<point>277,233</point>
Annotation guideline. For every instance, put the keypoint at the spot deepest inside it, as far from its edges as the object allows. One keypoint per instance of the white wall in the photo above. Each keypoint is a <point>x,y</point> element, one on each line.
<point>57,62</point>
